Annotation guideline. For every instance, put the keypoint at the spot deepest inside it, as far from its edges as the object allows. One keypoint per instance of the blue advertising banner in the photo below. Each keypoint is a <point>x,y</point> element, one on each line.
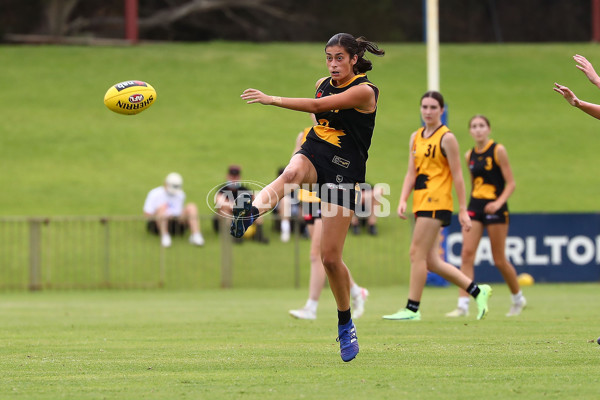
<point>550,247</point>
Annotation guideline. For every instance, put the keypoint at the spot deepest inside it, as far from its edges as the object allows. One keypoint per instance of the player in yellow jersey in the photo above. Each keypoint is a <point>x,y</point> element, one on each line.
<point>588,69</point>
<point>433,166</point>
<point>334,156</point>
<point>492,183</point>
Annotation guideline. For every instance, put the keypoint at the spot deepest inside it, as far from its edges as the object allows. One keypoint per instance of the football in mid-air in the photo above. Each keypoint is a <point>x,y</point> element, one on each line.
<point>130,97</point>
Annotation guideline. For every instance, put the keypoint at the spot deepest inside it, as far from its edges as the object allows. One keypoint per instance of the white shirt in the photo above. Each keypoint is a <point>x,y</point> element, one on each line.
<point>159,196</point>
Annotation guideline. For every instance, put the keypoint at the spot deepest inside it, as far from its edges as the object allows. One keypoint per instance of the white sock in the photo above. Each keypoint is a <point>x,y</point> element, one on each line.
<point>285,226</point>
<point>355,290</point>
<point>463,303</point>
<point>311,305</point>
<point>517,298</point>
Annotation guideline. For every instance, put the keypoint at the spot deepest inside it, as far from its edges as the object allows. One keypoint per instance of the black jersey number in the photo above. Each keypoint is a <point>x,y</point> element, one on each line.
<point>430,151</point>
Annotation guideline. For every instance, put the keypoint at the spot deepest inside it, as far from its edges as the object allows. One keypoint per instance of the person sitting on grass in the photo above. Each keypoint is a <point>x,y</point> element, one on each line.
<point>225,198</point>
<point>370,197</point>
<point>167,215</point>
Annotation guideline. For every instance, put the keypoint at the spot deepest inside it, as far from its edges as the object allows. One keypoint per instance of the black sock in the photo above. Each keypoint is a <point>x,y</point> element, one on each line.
<point>259,235</point>
<point>413,305</point>
<point>473,290</point>
<point>344,317</point>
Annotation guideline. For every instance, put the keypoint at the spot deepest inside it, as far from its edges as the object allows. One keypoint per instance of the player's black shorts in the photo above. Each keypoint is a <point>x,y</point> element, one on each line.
<point>175,227</point>
<point>311,211</point>
<point>476,213</point>
<point>336,184</point>
<point>443,215</point>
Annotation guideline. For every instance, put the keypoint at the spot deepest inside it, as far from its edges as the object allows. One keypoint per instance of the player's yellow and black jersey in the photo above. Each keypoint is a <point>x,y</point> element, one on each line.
<point>433,183</point>
<point>486,176</point>
<point>306,130</point>
<point>487,181</point>
<point>342,138</point>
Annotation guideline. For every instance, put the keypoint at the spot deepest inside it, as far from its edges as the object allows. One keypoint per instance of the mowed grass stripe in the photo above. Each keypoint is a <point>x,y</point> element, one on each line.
<point>242,343</point>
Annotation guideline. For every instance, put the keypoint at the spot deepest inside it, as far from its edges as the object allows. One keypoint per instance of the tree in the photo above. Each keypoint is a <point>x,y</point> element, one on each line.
<point>57,14</point>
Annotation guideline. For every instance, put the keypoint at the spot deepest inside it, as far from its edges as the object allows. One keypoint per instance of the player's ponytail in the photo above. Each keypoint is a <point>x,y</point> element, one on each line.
<point>356,47</point>
<point>364,65</point>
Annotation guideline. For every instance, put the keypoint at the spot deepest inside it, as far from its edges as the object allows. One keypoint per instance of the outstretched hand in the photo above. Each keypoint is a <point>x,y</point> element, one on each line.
<point>567,94</point>
<point>586,67</point>
<point>256,96</point>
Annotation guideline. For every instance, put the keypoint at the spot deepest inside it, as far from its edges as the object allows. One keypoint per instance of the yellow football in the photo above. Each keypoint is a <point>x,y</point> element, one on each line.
<point>249,234</point>
<point>130,97</point>
<point>525,279</point>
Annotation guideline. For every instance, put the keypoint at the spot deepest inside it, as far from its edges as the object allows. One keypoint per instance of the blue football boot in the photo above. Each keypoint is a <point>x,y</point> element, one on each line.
<point>242,215</point>
<point>348,341</point>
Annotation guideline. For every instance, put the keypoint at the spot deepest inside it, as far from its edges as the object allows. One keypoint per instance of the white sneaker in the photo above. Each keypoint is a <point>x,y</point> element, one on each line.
<point>197,239</point>
<point>459,312</point>
<point>516,308</point>
<point>303,313</point>
<point>358,303</point>
<point>285,236</point>
<point>165,240</point>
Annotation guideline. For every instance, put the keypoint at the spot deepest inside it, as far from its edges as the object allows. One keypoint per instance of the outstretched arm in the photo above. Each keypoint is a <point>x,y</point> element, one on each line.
<point>586,67</point>
<point>360,96</point>
<point>589,108</point>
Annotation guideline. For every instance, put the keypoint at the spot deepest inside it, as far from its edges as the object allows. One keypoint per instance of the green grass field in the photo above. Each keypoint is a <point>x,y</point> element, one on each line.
<point>241,344</point>
<point>63,153</point>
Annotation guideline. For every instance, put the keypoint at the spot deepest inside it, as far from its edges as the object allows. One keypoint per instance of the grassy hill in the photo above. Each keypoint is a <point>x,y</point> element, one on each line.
<point>64,153</point>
